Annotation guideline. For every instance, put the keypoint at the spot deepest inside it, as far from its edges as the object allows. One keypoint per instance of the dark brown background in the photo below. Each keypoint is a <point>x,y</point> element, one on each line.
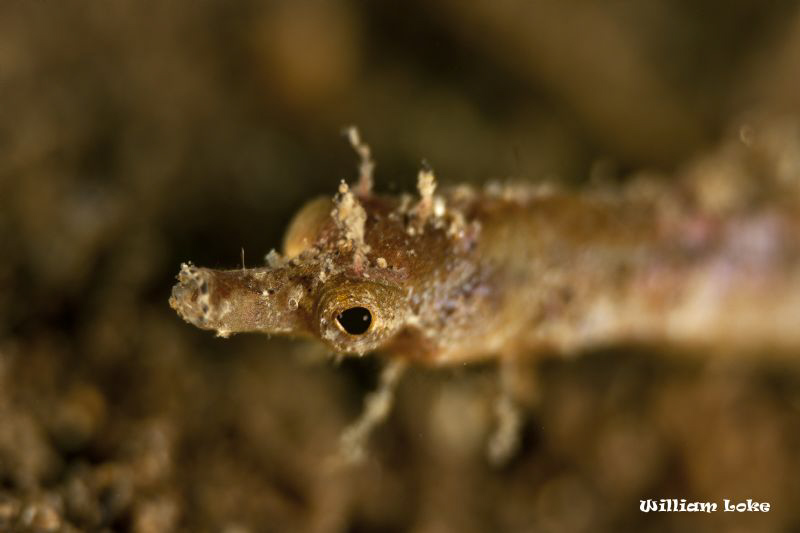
<point>137,135</point>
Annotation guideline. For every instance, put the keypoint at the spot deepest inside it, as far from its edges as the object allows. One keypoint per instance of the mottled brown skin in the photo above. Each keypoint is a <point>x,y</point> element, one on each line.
<point>505,272</point>
<point>419,290</point>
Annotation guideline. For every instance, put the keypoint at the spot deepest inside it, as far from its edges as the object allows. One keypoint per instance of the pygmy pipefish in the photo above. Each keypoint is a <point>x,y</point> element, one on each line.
<point>456,275</point>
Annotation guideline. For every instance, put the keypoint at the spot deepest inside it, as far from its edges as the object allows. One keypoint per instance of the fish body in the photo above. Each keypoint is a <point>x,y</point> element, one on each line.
<point>468,274</point>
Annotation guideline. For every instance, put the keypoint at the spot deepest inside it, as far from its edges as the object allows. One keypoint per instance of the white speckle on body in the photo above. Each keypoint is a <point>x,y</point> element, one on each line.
<point>275,260</point>
<point>439,207</point>
<point>295,295</point>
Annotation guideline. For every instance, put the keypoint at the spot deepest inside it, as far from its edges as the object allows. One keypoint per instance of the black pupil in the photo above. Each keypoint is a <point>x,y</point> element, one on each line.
<point>355,320</point>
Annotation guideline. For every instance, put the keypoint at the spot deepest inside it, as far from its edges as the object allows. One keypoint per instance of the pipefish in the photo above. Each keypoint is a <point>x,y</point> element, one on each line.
<point>459,275</point>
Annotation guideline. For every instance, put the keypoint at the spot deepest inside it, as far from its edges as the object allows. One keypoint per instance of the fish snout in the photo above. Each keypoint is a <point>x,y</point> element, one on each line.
<point>191,295</point>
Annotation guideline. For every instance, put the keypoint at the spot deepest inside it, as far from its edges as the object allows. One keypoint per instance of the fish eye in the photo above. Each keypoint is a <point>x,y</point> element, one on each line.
<point>355,320</point>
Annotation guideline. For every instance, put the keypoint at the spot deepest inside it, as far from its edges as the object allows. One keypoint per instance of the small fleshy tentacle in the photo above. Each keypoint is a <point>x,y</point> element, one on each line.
<point>366,166</point>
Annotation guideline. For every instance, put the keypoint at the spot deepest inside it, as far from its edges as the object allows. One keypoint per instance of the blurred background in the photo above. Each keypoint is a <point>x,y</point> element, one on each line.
<point>137,135</point>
